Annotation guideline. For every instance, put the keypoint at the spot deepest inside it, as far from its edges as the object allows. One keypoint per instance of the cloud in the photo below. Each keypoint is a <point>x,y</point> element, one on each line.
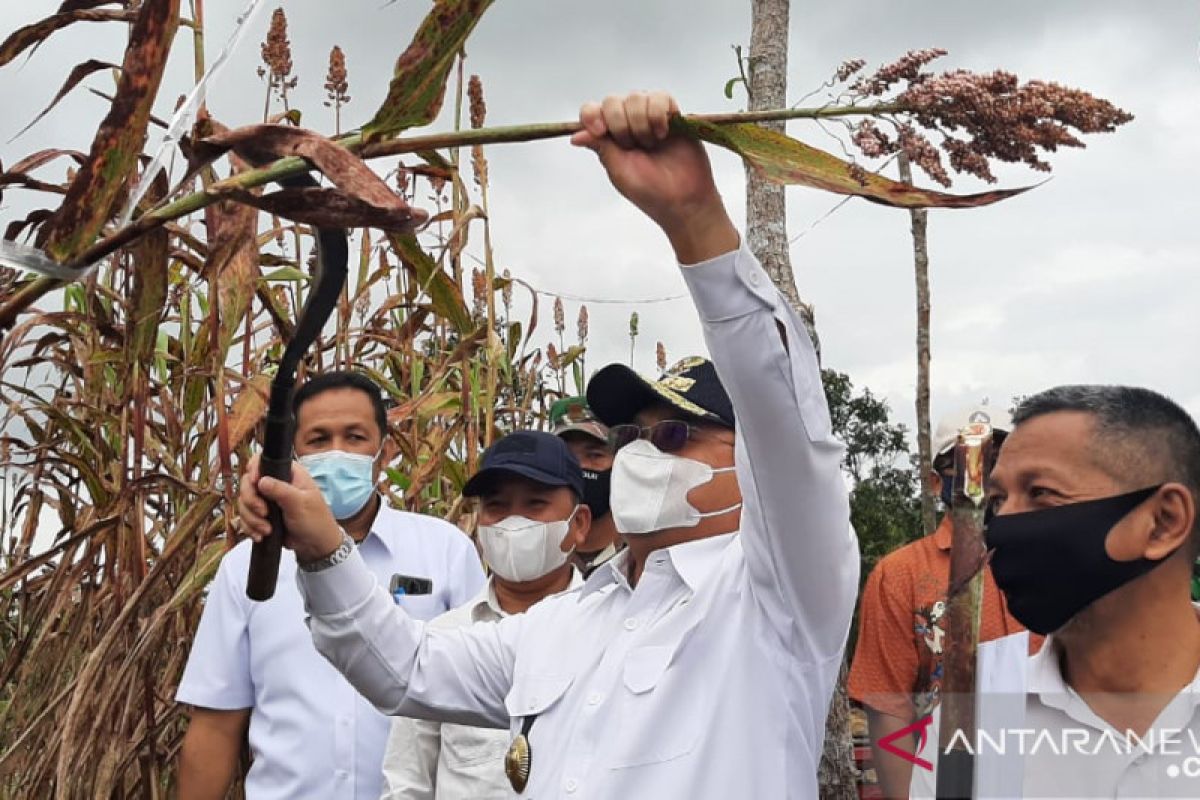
<point>1091,277</point>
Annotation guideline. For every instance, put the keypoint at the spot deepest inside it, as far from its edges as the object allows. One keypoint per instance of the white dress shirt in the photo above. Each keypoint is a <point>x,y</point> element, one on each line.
<point>311,734</point>
<point>709,679</point>
<point>442,761</point>
<point>1057,747</point>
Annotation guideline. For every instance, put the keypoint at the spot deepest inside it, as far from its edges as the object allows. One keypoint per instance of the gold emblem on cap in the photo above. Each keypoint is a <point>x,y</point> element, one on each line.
<point>517,762</point>
<point>685,364</point>
<point>678,383</point>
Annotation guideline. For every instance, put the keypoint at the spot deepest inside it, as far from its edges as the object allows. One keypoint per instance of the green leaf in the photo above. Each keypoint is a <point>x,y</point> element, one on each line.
<point>781,159</point>
<point>572,355</point>
<point>285,274</point>
<point>398,478</point>
<point>577,373</point>
<point>729,84</point>
<point>419,83</point>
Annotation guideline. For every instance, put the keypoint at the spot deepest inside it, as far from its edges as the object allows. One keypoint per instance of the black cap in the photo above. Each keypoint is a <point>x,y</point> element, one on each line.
<point>616,393</point>
<point>536,455</point>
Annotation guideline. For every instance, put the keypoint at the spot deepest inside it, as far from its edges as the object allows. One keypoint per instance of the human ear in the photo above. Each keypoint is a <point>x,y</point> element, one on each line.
<point>1174,514</point>
<point>581,525</point>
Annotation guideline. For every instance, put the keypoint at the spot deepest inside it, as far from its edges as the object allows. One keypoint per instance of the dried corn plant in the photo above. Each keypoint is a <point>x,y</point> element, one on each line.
<point>133,397</point>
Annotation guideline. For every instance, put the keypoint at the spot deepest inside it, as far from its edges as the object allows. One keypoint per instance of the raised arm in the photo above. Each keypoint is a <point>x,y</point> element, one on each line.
<point>800,548</point>
<point>460,675</point>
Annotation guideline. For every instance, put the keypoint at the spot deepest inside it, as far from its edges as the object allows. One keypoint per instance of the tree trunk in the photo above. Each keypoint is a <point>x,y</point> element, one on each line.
<point>920,219</point>
<point>766,211</point>
<point>766,235</point>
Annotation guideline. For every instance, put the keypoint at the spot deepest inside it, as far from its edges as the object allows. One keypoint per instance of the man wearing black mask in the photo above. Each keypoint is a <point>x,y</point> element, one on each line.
<point>1093,539</point>
<point>572,420</point>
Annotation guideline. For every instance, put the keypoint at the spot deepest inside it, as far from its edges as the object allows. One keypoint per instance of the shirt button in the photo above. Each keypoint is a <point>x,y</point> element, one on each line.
<point>754,279</point>
<point>630,624</point>
<point>595,698</point>
<point>571,785</point>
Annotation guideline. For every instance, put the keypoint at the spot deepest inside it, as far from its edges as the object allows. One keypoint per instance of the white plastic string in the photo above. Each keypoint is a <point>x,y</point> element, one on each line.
<point>15,255</point>
<point>186,114</point>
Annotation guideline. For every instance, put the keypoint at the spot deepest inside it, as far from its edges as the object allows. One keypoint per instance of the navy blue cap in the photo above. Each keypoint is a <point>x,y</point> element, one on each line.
<point>539,456</point>
<point>616,393</point>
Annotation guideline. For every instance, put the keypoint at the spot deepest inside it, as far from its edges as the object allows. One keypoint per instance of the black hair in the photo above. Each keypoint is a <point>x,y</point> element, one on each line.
<point>1141,436</point>
<point>343,379</point>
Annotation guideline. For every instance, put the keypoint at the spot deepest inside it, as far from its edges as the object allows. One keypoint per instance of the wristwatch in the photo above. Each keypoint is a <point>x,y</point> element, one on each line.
<point>333,559</point>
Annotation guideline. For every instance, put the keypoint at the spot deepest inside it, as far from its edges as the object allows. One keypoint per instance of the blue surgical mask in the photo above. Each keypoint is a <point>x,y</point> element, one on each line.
<point>347,480</point>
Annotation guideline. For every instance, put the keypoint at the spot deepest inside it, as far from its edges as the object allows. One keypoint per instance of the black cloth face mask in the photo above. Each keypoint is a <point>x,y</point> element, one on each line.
<point>947,493</point>
<point>595,491</point>
<point>1051,563</point>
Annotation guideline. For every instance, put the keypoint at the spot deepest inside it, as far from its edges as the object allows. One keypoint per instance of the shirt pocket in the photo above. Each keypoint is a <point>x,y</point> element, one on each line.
<point>466,746</point>
<point>421,606</point>
<point>533,694</point>
<point>659,718</point>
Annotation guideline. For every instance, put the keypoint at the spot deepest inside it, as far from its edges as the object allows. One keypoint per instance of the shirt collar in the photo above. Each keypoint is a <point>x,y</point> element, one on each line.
<point>382,520</point>
<point>1046,679</point>
<point>485,607</point>
<point>693,561</point>
<point>611,571</point>
<point>944,533</point>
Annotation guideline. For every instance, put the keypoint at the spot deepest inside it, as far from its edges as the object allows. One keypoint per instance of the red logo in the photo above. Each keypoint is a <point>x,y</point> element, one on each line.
<point>921,726</point>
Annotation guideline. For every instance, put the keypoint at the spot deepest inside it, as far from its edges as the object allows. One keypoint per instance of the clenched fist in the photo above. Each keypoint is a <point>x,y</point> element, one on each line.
<point>312,532</point>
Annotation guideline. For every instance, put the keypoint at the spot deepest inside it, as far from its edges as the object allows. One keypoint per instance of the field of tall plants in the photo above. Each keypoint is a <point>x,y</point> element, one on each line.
<point>134,394</point>
<point>143,314</point>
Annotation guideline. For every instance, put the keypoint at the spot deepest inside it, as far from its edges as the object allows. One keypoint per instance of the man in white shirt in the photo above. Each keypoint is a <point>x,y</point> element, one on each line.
<point>531,517</point>
<point>715,638</point>
<point>1095,492</point>
<point>311,735</point>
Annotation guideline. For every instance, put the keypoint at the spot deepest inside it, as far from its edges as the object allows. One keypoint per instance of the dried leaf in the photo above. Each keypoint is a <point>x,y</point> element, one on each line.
<point>444,293</point>
<point>35,218</point>
<point>781,159</point>
<point>77,5</point>
<point>328,208</point>
<point>80,72</point>
<point>149,284</point>
<point>362,190</point>
<point>23,38</point>
<point>286,274</point>
<point>232,268</point>
<point>119,139</point>
<point>419,83</point>
<point>43,157</point>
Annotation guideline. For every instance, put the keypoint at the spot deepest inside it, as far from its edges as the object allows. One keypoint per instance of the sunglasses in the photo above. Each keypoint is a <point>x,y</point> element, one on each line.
<point>668,435</point>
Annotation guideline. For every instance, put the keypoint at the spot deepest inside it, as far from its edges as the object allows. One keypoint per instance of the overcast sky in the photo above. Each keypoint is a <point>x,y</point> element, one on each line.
<point>1090,278</point>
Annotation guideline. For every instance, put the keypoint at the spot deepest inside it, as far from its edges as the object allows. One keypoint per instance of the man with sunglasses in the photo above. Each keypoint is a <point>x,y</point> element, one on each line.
<point>715,638</point>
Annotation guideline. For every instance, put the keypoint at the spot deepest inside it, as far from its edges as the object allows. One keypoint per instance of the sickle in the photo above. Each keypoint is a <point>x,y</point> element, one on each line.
<point>329,276</point>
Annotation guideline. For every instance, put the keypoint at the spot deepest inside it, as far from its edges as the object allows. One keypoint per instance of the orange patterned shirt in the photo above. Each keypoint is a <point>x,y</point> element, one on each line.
<point>897,666</point>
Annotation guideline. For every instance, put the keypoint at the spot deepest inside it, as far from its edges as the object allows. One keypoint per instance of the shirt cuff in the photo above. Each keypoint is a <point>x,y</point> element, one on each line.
<point>338,589</point>
<point>729,286</point>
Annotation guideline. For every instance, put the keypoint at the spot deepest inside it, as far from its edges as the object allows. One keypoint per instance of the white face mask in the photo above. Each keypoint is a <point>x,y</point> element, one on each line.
<point>650,489</point>
<point>520,549</point>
